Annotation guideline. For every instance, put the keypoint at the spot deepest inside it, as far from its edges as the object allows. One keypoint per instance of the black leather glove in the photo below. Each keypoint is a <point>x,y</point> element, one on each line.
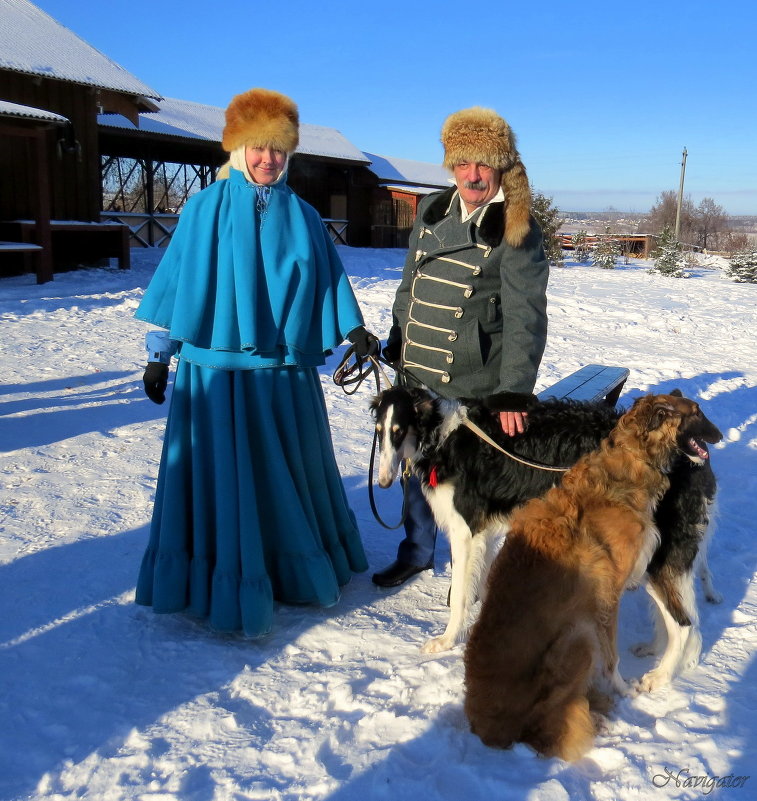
<point>510,402</point>
<point>364,342</point>
<point>156,380</point>
<point>392,351</point>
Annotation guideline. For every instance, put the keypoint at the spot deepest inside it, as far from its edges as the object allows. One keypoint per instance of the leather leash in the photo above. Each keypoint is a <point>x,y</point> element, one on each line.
<point>486,438</point>
<point>347,374</point>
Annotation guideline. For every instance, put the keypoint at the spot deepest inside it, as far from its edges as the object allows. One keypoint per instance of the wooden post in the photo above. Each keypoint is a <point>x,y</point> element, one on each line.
<point>44,237</point>
<point>680,197</point>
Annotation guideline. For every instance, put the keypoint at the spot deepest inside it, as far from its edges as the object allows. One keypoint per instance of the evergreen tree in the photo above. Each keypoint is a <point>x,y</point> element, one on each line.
<point>606,251</point>
<point>668,258</point>
<point>548,217</point>
<point>581,248</point>
<point>743,267</point>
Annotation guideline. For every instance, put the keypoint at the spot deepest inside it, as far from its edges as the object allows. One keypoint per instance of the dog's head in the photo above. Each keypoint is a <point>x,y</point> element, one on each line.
<point>398,413</point>
<point>671,424</point>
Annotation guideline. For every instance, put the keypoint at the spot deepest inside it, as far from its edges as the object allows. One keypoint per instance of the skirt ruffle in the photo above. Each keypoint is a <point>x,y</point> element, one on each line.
<point>249,506</point>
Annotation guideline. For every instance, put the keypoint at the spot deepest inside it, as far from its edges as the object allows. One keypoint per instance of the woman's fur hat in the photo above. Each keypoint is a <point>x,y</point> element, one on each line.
<point>480,135</point>
<point>261,118</point>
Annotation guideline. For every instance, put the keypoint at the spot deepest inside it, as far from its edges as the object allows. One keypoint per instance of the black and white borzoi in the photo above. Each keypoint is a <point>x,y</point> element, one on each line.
<point>472,488</point>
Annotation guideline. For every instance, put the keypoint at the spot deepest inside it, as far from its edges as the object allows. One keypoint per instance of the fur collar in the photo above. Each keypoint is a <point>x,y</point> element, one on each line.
<point>492,227</point>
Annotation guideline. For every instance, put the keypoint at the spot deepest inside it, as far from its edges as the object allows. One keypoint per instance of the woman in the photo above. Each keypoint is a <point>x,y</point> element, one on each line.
<point>249,505</point>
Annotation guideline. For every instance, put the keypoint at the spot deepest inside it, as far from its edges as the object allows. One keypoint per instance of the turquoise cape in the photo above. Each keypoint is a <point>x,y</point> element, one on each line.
<point>249,505</point>
<point>276,294</point>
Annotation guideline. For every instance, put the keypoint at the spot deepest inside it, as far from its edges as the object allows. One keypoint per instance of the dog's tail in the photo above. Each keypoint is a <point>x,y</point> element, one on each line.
<point>561,723</point>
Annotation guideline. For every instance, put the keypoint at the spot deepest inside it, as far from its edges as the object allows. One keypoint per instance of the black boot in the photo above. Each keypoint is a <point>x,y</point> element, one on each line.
<point>398,573</point>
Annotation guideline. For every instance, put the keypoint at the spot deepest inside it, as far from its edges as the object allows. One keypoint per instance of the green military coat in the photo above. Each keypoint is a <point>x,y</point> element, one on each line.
<point>470,311</point>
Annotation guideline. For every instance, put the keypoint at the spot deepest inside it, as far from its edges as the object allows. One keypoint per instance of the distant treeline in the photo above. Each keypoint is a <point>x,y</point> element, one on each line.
<point>740,221</point>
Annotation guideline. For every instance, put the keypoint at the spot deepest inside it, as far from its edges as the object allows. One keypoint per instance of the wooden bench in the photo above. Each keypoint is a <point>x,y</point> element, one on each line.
<point>35,259</point>
<point>593,383</point>
<point>18,247</point>
<point>72,240</point>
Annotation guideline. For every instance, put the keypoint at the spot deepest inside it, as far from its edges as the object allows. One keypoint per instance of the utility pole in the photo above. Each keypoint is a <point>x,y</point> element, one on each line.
<point>680,196</point>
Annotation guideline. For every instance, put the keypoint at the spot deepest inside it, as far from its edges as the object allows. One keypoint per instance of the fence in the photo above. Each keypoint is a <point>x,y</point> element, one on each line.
<point>145,230</point>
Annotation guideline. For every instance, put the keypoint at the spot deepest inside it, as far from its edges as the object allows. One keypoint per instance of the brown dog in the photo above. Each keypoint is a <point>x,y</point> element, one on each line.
<point>542,656</point>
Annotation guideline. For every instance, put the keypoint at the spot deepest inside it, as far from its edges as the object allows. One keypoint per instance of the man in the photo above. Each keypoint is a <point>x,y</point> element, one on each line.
<point>469,317</point>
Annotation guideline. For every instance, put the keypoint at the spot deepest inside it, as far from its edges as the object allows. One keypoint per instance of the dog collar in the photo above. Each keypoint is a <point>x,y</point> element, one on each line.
<point>433,478</point>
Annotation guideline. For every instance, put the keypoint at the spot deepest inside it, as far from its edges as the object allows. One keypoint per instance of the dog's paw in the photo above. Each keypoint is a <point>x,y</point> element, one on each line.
<point>600,722</point>
<point>650,682</point>
<point>643,649</point>
<point>437,645</point>
<point>713,597</point>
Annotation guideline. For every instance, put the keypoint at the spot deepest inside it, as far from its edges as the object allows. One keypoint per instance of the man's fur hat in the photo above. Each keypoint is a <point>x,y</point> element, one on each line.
<point>261,118</point>
<point>480,135</point>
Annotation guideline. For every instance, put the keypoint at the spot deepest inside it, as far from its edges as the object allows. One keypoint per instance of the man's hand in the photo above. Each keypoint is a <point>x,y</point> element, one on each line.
<point>513,422</point>
<point>393,349</point>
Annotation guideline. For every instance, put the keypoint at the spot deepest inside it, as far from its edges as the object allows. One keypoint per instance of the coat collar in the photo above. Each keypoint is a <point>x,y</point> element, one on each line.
<point>492,227</point>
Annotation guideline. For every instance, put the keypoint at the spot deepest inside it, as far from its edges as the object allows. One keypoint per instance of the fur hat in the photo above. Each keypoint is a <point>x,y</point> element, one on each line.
<point>261,118</point>
<point>480,135</point>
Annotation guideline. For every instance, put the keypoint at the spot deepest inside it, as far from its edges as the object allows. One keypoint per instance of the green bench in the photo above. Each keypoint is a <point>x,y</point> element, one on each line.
<point>593,383</point>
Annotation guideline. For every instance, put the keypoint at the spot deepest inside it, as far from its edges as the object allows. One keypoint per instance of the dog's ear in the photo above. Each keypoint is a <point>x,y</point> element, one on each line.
<point>423,401</point>
<point>661,411</point>
<point>676,393</point>
<point>373,405</point>
<point>419,395</point>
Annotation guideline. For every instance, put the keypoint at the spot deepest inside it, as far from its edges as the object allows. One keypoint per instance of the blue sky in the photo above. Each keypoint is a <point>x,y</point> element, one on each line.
<point>603,97</point>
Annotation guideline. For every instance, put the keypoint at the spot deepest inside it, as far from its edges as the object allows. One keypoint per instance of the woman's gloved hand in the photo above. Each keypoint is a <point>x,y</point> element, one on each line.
<point>155,379</point>
<point>365,343</point>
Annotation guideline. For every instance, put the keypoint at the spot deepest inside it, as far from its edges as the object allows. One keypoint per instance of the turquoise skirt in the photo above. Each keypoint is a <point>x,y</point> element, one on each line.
<point>249,506</point>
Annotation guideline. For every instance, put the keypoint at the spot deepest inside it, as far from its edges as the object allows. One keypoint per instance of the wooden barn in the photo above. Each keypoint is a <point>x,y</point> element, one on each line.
<point>52,87</point>
<point>640,245</point>
<point>149,170</point>
<point>93,161</point>
<point>396,188</point>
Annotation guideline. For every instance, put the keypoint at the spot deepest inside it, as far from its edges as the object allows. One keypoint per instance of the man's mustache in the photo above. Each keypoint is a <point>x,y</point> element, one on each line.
<point>480,185</point>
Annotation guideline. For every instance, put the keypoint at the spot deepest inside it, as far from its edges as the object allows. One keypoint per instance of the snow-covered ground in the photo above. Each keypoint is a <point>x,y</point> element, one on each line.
<point>101,699</point>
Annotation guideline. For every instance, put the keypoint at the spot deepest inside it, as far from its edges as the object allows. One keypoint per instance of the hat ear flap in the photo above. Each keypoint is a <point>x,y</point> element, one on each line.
<point>517,204</point>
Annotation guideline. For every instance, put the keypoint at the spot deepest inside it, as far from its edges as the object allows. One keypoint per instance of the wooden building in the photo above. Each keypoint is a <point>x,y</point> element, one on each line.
<point>93,161</point>
<point>149,170</point>
<point>45,67</point>
<point>396,188</point>
<point>639,245</point>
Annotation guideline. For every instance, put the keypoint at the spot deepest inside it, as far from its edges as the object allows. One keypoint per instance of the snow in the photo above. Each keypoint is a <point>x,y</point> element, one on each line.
<point>8,109</point>
<point>174,118</point>
<point>187,119</point>
<point>319,140</point>
<point>27,34</point>
<point>105,700</point>
<point>395,170</point>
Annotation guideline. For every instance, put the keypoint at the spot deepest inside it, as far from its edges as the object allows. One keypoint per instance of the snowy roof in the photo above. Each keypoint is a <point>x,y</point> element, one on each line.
<point>320,141</point>
<point>411,190</point>
<point>404,171</point>
<point>34,43</point>
<point>174,118</point>
<point>186,119</point>
<point>28,112</point>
